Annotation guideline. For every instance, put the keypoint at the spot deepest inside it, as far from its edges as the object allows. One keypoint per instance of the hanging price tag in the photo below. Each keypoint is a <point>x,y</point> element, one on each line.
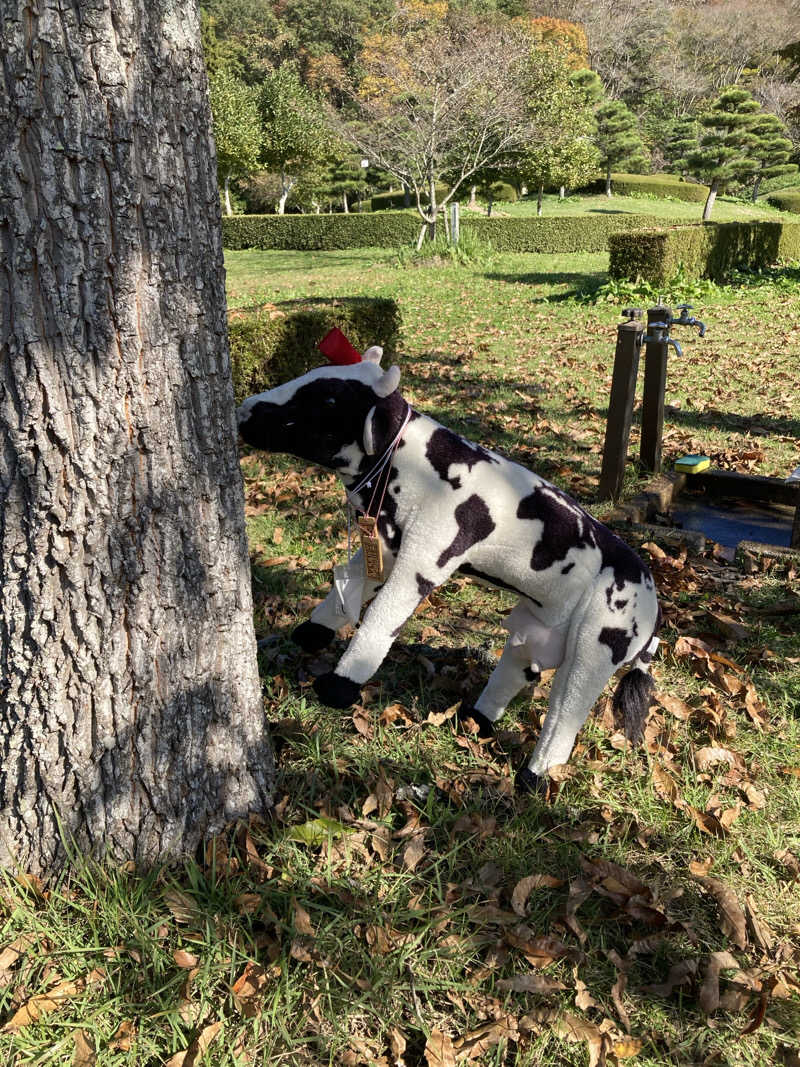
<point>348,581</point>
<point>371,547</point>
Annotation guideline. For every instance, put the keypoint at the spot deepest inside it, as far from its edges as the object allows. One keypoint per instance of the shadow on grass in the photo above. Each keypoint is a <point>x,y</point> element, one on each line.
<point>582,283</point>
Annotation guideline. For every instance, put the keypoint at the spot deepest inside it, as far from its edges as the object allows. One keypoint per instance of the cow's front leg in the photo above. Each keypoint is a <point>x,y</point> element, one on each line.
<point>395,602</point>
<point>319,630</point>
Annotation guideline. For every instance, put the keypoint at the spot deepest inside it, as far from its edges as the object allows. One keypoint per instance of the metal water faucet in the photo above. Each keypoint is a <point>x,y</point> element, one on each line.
<point>660,332</point>
<point>686,320</point>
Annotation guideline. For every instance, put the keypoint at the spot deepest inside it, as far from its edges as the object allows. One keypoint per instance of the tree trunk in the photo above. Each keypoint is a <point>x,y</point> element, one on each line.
<point>756,187</point>
<point>131,717</point>
<point>712,196</point>
<point>473,193</point>
<point>228,208</point>
<point>608,182</point>
<point>344,204</point>
<point>433,208</point>
<point>539,200</point>
<point>562,192</point>
<point>489,203</point>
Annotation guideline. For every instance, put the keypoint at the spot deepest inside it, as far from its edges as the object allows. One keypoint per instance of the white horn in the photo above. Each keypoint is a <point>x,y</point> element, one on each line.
<point>388,383</point>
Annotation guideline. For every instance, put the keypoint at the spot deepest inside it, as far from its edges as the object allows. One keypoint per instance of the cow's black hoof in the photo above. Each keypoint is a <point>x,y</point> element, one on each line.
<point>336,691</point>
<point>312,637</point>
<point>485,726</point>
<point>528,782</point>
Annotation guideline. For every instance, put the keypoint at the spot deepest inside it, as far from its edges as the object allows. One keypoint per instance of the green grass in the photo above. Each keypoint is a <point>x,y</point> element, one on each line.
<point>726,208</point>
<point>347,942</point>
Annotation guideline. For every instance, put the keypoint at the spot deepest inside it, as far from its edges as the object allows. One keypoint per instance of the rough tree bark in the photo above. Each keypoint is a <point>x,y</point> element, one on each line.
<point>130,708</point>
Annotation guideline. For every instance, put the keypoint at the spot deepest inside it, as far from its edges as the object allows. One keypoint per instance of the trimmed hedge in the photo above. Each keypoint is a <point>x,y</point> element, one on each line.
<point>653,185</point>
<point>274,344</point>
<point>702,250</point>
<point>785,201</point>
<point>502,193</point>
<point>393,229</point>
<point>386,229</point>
<point>389,201</point>
<point>559,233</point>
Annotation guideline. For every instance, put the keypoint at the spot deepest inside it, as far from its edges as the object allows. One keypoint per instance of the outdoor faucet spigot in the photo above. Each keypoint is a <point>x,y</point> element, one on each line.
<point>632,313</point>
<point>659,331</point>
<point>687,320</point>
<point>675,345</point>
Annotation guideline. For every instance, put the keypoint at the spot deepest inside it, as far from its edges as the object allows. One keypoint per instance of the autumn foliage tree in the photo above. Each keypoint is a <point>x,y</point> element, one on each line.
<point>435,102</point>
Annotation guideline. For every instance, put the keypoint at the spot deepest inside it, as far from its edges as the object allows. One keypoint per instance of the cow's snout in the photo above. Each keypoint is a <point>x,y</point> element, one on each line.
<point>262,424</point>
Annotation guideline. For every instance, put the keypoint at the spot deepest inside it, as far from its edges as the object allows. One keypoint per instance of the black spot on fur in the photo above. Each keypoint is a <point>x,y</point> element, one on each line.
<point>446,449</point>
<point>474,525</point>
<point>565,525</point>
<point>620,604</point>
<point>473,572</point>
<point>567,569</point>
<point>424,587</point>
<point>617,640</point>
<point>532,675</point>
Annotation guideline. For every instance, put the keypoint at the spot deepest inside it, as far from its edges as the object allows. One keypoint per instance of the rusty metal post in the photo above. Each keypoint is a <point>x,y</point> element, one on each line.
<point>655,386</point>
<point>620,404</point>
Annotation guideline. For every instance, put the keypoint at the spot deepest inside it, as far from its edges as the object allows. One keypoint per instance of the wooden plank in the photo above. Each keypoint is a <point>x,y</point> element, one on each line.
<point>620,409</point>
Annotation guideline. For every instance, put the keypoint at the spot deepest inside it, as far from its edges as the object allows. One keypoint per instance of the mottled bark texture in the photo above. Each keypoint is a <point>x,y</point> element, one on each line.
<point>130,709</point>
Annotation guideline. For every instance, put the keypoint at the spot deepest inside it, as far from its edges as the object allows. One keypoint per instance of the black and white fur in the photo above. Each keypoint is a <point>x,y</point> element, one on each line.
<point>587,603</point>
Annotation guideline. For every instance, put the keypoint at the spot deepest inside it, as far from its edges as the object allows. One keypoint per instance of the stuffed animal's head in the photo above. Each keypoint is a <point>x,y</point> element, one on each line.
<point>333,416</point>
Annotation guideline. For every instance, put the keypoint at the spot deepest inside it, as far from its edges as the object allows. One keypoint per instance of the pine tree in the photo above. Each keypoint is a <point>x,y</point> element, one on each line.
<point>680,141</point>
<point>618,140</point>
<point>725,150</point>
<point>772,150</point>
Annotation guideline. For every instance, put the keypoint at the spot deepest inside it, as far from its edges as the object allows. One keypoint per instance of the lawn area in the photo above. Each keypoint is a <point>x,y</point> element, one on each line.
<point>726,208</point>
<point>403,906</point>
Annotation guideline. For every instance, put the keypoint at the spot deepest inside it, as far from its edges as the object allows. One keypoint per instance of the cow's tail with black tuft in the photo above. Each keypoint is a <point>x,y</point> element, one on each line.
<point>634,693</point>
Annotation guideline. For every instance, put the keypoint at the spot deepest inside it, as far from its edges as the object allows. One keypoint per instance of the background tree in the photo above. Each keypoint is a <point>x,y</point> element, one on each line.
<point>131,716</point>
<point>772,150</point>
<point>435,103</point>
<point>297,138</point>
<point>681,139</point>
<point>562,152</point>
<point>726,143</point>
<point>618,140</point>
<point>237,129</point>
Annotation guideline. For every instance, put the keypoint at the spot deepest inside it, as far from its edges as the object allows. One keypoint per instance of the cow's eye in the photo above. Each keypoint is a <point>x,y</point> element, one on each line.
<point>330,401</point>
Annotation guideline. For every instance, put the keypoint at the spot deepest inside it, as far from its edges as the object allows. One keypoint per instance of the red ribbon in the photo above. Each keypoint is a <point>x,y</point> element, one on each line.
<point>335,346</point>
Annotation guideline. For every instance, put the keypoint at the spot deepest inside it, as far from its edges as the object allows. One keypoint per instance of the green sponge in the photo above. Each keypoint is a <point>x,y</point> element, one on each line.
<point>692,464</point>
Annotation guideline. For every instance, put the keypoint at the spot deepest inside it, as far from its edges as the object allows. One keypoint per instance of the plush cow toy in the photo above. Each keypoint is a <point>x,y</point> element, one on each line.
<point>587,603</point>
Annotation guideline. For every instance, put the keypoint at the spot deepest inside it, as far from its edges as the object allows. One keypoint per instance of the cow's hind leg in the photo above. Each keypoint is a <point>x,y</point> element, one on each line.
<point>588,664</point>
<point>512,673</point>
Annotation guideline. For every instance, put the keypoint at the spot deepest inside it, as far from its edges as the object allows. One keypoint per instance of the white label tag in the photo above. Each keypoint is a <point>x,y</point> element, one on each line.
<point>348,581</point>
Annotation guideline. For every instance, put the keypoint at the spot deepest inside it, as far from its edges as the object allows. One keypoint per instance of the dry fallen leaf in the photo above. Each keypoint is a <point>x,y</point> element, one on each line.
<point>477,1043</point>
<point>43,1004</point>
<point>192,1054</point>
<point>302,921</point>
<point>184,959</point>
<point>84,1054</point>
<point>733,920</point>
<point>709,992</point>
<point>248,989</point>
<point>439,1050</point>
<point>524,888</point>
<point>531,983</point>
<point>414,851</point>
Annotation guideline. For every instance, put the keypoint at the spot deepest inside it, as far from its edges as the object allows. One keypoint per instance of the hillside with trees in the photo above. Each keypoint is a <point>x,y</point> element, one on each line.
<point>407,94</point>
